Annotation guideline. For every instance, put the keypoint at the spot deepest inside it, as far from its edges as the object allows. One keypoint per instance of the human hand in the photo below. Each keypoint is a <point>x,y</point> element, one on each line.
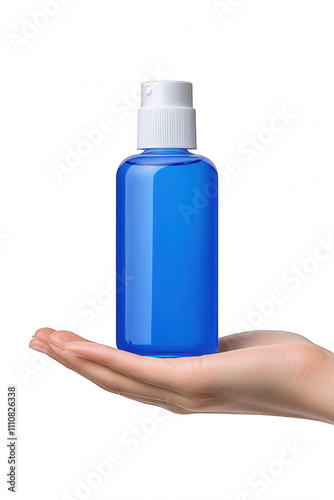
<point>259,372</point>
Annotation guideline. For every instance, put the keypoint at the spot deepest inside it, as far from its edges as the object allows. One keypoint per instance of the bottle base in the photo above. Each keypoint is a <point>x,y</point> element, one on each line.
<point>163,353</point>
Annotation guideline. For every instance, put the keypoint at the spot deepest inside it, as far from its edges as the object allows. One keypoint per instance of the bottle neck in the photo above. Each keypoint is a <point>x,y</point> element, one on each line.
<point>166,151</point>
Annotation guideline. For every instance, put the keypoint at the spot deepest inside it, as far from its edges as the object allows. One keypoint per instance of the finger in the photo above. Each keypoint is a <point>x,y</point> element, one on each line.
<point>156,371</point>
<point>257,338</point>
<point>43,334</point>
<point>40,346</point>
<point>116,382</point>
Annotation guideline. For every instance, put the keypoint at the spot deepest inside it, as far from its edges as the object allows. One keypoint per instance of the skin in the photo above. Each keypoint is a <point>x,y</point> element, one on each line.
<point>259,372</point>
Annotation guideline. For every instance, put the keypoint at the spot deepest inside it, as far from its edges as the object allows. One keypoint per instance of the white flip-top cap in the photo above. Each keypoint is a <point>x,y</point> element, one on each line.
<point>166,118</point>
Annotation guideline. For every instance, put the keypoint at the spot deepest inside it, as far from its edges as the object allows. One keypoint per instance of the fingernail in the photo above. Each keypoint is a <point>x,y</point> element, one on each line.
<point>55,347</point>
<point>73,354</point>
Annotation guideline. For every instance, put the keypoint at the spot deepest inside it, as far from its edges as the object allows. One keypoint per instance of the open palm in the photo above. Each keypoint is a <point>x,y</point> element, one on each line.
<point>259,372</point>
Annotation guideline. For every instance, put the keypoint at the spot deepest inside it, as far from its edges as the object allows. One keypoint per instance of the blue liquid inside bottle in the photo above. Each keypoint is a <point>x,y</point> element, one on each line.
<point>166,254</point>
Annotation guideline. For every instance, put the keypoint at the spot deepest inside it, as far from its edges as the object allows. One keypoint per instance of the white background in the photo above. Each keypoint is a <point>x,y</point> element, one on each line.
<point>57,243</point>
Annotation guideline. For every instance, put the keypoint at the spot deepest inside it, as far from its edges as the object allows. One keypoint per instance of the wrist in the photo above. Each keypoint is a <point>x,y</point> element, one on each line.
<point>318,385</point>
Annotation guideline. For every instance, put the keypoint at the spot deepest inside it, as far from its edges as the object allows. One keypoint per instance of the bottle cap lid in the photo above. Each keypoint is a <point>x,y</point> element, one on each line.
<point>166,117</point>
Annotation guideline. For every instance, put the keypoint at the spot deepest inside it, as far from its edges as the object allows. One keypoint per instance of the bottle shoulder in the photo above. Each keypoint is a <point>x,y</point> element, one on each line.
<point>163,160</point>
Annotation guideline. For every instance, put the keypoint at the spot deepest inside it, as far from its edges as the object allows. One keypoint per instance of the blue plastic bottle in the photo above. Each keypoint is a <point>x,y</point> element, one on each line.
<point>166,233</point>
